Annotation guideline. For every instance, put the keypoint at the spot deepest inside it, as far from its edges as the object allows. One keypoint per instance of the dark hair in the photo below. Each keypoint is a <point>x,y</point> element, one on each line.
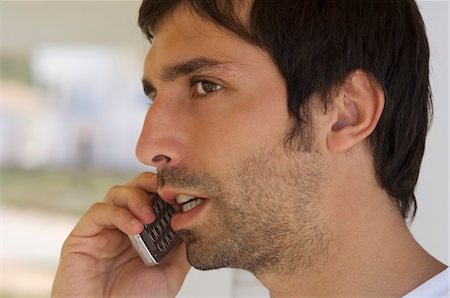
<point>316,44</point>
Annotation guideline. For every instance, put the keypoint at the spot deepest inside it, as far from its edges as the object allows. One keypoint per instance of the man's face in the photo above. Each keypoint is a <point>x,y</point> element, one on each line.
<point>219,119</point>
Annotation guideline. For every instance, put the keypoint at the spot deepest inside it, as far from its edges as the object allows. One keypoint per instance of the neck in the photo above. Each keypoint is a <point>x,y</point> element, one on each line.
<point>374,255</point>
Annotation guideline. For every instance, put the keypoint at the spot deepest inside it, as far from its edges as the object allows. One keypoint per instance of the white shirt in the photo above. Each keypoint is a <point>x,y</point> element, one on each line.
<point>437,286</point>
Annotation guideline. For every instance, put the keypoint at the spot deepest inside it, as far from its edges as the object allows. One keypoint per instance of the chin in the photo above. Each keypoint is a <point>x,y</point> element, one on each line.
<point>209,256</point>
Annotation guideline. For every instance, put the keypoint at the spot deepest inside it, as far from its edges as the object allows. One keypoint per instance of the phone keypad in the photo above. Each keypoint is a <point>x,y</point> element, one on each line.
<point>159,236</point>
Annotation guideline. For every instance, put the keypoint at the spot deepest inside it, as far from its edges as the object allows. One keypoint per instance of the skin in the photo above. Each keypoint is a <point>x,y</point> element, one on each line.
<point>343,236</point>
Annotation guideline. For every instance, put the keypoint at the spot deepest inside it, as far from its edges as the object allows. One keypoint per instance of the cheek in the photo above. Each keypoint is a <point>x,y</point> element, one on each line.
<point>224,139</point>
<point>260,122</point>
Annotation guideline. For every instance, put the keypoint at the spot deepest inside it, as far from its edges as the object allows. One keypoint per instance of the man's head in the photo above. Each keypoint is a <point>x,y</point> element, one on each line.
<point>264,108</point>
<point>317,44</point>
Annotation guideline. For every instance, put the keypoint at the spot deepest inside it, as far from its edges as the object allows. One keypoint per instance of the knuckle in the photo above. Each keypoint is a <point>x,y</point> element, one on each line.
<point>142,176</point>
<point>148,174</point>
<point>115,189</point>
<point>96,207</point>
<point>145,174</point>
<point>113,192</point>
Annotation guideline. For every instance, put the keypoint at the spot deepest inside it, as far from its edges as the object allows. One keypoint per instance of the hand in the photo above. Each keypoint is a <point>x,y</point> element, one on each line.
<point>97,259</point>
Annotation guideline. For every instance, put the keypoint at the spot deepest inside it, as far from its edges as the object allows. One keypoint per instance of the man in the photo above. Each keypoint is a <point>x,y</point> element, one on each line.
<point>298,127</point>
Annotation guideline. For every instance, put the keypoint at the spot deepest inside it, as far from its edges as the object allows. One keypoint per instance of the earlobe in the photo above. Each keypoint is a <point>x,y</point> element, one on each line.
<point>356,111</point>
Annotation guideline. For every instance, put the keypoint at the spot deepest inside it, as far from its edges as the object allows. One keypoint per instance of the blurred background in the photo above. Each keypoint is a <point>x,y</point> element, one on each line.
<point>71,111</point>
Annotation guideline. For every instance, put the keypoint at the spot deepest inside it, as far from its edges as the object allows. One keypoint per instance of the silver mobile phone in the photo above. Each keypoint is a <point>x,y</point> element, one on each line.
<point>157,239</point>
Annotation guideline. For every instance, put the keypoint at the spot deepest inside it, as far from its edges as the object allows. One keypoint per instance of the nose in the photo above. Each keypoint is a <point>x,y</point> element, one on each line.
<point>163,138</point>
<point>161,161</point>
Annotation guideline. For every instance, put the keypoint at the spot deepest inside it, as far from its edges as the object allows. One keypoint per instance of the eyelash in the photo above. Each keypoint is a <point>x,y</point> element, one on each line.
<point>150,98</point>
<point>193,84</point>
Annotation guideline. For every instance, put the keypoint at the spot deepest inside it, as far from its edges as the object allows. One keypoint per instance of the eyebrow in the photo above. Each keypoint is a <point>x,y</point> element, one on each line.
<point>195,65</point>
<point>184,68</point>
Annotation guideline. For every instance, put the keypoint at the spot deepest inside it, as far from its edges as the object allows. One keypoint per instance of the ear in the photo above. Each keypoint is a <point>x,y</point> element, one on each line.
<point>355,111</point>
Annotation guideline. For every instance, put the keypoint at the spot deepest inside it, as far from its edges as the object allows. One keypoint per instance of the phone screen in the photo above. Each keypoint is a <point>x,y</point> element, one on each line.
<point>157,239</point>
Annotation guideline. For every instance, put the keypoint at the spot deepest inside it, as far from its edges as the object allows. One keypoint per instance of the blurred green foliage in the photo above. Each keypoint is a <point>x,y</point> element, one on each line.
<point>15,67</point>
<point>68,191</point>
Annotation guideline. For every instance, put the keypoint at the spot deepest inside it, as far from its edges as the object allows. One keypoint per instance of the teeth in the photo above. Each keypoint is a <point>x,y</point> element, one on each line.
<point>192,204</point>
<point>183,198</point>
<point>187,202</point>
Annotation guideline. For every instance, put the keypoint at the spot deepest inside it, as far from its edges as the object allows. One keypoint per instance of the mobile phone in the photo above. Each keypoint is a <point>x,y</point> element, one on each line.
<point>157,239</point>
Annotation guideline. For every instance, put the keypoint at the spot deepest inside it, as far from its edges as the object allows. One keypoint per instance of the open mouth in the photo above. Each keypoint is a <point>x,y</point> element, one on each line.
<point>189,209</point>
<point>188,203</point>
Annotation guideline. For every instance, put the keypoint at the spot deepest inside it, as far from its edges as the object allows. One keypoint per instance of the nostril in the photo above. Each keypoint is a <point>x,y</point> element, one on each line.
<point>159,159</point>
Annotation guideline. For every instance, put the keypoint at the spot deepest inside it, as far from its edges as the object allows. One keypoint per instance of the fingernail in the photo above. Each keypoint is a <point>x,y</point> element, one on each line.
<point>134,221</point>
<point>148,211</point>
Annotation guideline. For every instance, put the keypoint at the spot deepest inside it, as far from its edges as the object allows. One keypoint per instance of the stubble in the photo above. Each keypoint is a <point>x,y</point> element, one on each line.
<point>265,215</point>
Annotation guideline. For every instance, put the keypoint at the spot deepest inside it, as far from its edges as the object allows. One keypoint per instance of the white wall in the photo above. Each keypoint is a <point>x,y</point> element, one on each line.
<point>430,226</point>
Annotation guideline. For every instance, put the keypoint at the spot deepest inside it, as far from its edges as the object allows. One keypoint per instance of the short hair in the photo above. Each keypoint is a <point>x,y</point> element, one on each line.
<point>316,44</point>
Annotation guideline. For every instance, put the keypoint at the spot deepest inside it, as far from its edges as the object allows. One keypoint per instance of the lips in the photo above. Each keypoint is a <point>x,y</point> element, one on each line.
<point>177,198</point>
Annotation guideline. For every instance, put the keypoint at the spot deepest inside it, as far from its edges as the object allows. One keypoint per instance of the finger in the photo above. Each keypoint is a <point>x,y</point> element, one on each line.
<point>132,198</point>
<point>103,216</point>
<point>145,180</point>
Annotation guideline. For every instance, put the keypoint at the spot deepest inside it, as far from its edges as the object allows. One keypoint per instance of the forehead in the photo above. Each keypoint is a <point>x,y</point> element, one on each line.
<point>182,35</point>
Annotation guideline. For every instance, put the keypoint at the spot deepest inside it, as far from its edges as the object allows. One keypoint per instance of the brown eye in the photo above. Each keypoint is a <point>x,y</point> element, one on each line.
<point>204,87</point>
